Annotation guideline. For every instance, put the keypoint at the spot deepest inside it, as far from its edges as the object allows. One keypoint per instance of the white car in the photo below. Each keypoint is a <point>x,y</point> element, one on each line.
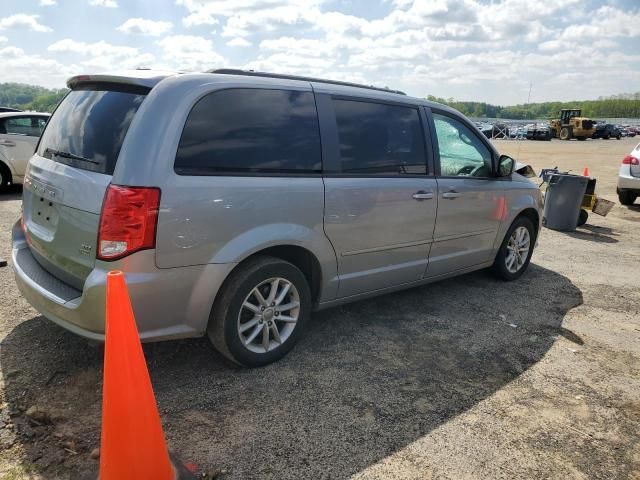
<point>19,134</point>
<point>629,177</point>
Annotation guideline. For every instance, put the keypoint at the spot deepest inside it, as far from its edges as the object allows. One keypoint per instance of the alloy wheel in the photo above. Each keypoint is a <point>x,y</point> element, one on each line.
<point>518,249</point>
<point>268,315</point>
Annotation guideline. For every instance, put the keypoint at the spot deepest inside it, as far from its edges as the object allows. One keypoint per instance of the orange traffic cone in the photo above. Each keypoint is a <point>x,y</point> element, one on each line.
<point>132,443</point>
<point>585,172</point>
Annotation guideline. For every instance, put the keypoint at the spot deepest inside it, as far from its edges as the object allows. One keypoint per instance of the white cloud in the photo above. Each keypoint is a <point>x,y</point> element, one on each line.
<point>605,24</point>
<point>3,39</point>
<point>48,3</point>
<point>104,3</point>
<point>21,20</point>
<point>239,42</point>
<point>242,17</point>
<point>190,53</point>
<point>142,26</point>
<point>102,55</point>
<point>18,66</point>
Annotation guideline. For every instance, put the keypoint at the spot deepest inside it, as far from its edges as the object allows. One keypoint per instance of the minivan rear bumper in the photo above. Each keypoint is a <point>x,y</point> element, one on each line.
<point>167,303</point>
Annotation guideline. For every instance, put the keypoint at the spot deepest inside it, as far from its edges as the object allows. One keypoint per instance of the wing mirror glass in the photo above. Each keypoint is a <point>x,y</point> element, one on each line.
<point>506,164</point>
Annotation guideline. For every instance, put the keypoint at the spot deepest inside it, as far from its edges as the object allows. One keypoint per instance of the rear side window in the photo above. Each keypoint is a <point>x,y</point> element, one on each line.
<point>251,131</point>
<point>88,128</point>
<point>28,126</point>
<point>379,139</point>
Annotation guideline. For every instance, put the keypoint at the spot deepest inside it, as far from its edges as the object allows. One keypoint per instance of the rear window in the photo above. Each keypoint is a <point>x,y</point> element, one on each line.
<point>90,123</point>
<point>249,131</point>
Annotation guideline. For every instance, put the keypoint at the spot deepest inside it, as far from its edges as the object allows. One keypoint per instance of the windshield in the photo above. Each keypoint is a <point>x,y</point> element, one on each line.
<point>88,128</point>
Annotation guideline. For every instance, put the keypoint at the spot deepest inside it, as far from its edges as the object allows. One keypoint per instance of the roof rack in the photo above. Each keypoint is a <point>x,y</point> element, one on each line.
<point>252,73</point>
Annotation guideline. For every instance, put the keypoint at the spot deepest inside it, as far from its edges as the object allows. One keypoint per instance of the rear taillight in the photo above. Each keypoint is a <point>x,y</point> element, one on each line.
<point>128,221</point>
<point>630,160</point>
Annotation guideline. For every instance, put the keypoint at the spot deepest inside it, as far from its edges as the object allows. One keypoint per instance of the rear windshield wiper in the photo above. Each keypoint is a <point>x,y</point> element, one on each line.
<point>60,153</point>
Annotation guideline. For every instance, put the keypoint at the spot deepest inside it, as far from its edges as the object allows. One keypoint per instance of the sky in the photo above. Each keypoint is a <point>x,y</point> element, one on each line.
<point>493,51</point>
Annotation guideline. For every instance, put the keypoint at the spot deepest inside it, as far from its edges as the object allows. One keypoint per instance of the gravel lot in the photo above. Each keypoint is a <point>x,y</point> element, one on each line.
<point>467,378</point>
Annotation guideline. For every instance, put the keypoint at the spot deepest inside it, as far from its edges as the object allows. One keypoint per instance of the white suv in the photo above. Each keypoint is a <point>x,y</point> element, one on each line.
<point>19,134</point>
<point>629,177</point>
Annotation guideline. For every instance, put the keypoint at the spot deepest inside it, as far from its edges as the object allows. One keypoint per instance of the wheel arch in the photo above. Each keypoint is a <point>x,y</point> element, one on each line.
<point>533,215</point>
<point>304,259</point>
<point>522,202</point>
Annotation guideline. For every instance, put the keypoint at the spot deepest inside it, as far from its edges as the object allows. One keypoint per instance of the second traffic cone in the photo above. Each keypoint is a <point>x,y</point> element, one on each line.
<point>585,172</point>
<point>132,443</point>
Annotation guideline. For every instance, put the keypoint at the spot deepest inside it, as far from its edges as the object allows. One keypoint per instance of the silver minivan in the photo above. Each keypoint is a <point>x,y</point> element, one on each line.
<point>237,202</point>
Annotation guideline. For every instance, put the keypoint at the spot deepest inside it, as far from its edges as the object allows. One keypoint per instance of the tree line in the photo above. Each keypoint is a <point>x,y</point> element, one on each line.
<point>603,108</point>
<point>32,97</point>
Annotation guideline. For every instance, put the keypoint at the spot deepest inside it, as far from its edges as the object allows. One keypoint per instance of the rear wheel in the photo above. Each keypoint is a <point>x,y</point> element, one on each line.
<point>261,312</point>
<point>515,252</point>
<point>627,197</point>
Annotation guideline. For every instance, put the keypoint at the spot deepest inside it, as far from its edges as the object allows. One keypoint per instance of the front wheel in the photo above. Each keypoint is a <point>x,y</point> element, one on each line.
<point>261,312</point>
<point>5,177</point>
<point>515,252</point>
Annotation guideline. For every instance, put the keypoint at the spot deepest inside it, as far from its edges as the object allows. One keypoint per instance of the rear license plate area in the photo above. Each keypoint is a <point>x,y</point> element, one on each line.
<point>44,213</point>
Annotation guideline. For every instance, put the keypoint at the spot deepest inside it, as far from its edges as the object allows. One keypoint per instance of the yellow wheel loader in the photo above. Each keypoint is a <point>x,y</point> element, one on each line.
<point>572,124</point>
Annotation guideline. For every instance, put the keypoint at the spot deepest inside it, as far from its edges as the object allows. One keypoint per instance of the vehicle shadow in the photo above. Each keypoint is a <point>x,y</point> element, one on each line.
<point>594,233</point>
<point>367,380</point>
<point>12,192</point>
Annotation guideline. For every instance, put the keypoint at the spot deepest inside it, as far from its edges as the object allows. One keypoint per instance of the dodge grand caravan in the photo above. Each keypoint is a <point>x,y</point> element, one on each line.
<point>237,202</point>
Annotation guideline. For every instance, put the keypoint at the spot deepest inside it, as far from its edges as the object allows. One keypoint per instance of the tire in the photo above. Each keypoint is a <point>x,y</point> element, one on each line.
<point>627,197</point>
<point>565,134</point>
<point>607,137</point>
<point>582,139</point>
<point>228,313</point>
<point>5,177</point>
<point>617,137</point>
<point>500,264</point>
<point>583,217</point>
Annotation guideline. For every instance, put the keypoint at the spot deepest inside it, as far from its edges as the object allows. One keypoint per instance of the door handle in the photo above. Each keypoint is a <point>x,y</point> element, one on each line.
<point>8,143</point>
<point>422,195</point>
<point>450,195</point>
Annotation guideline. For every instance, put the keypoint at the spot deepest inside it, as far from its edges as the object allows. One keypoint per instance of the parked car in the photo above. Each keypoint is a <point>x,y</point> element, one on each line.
<point>629,177</point>
<point>607,131</point>
<point>623,131</point>
<point>19,134</point>
<point>238,202</point>
<point>629,132</point>
<point>539,132</point>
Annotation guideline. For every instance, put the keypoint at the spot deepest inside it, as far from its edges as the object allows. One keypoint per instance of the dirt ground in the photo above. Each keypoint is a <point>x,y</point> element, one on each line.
<point>467,378</point>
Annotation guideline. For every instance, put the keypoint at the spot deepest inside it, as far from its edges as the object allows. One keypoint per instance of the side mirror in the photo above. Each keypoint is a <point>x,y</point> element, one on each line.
<point>506,165</point>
